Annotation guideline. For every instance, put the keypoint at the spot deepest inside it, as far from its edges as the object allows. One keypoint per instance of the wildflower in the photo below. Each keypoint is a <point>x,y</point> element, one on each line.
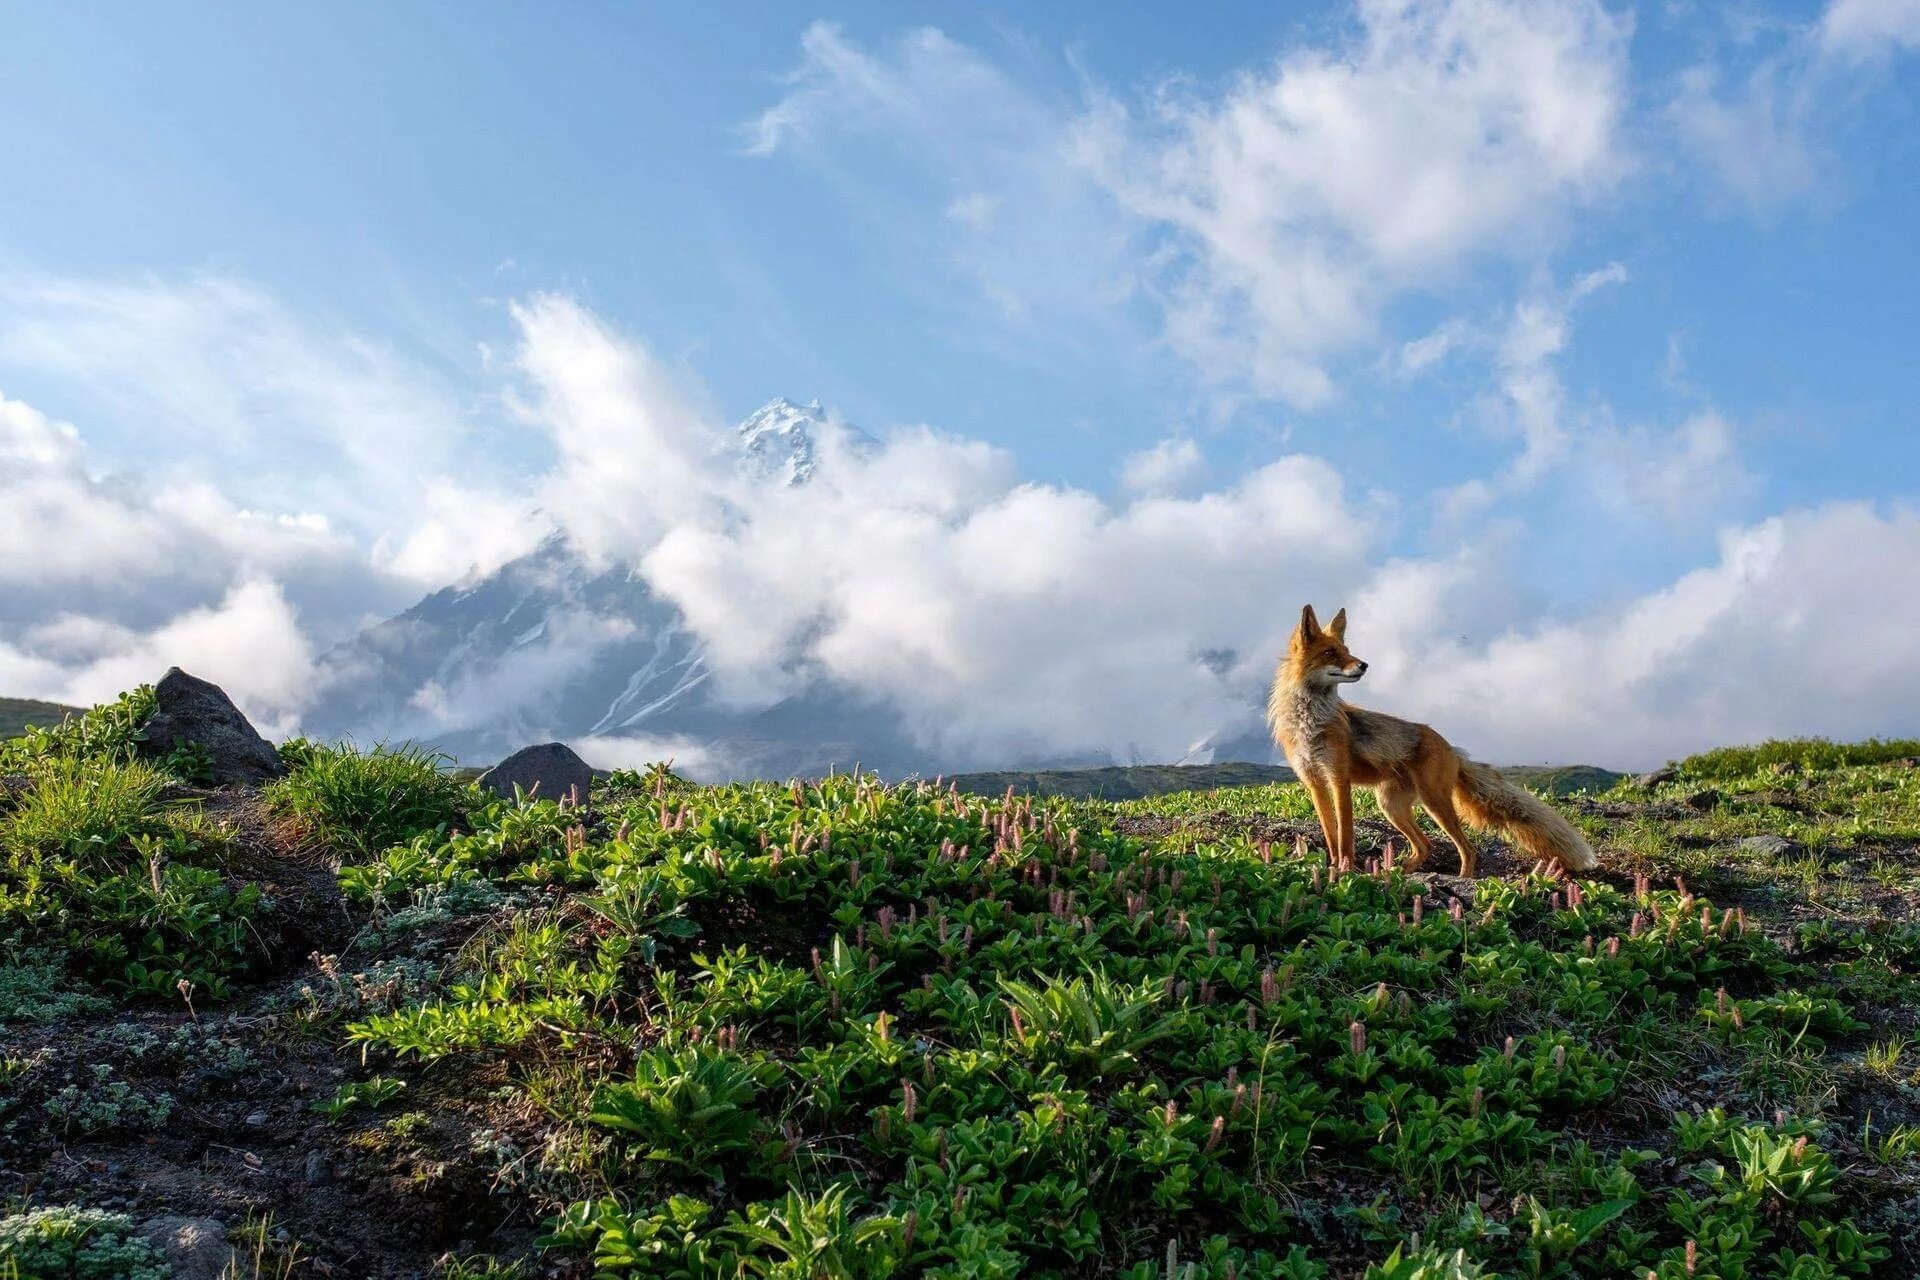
<point>1220,1128</point>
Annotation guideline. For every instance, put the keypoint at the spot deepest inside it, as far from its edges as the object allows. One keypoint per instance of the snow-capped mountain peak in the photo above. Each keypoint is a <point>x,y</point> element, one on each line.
<point>781,439</point>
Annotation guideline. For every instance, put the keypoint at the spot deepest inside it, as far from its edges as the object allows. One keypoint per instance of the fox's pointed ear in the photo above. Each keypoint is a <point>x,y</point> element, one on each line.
<point>1338,627</point>
<point>1309,625</point>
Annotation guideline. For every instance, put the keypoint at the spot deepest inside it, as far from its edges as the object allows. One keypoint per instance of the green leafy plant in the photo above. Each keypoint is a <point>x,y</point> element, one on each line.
<point>372,1093</point>
<point>71,1243</point>
<point>1088,1021</point>
<point>362,802</point>
<point>687,1105</point>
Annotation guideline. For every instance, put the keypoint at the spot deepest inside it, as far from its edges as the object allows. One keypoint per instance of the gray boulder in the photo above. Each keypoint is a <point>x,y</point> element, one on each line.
<point>196,1248</point>
<point>189,709</point>
<point>1646,781</point>
<point>552,767</point>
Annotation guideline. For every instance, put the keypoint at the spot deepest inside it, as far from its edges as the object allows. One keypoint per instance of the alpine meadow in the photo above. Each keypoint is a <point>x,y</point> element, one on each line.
<point>941,642</point>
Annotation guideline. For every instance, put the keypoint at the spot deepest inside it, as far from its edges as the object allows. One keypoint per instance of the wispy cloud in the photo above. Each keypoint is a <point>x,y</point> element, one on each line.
<point>1761,124</point>
<point>1297,204</point>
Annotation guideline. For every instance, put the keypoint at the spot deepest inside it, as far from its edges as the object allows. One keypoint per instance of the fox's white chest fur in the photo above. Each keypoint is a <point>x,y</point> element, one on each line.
<point>1301,717</point>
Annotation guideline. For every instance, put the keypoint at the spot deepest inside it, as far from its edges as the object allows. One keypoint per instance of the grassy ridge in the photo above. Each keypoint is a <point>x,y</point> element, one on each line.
<point>855,1030</point>
<point>1120,782</point>
<point>17,713</point>
<point>1142,781</point>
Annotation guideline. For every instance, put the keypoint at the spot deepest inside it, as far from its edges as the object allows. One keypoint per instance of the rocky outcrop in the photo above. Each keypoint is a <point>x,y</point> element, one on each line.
<point>188,709</point>
<point>551,771</point>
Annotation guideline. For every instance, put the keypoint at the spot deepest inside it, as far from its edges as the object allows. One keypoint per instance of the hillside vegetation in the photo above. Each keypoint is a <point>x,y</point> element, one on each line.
<point>371,1022</point>
<point>17,713</point>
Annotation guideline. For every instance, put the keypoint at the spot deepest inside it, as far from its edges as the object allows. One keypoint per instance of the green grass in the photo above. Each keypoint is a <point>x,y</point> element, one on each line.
<point>66,1242</point>
<point>108,732</point>
<point>359,803</point>
<point>1144,781</point>
<point>96,868</point>
<point>855,1030</point>
<point>18,713</point>
<point>81,809</point>
<point>1728,763</point>
<point>1120,782</point>
<point>924,1033</point>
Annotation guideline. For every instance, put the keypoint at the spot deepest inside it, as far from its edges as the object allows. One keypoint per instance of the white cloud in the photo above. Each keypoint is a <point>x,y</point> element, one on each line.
<point>1172,466</point>
<point>1681,476</point>
<point>1004,619</point>
<point>635,451</point>
<point>1803,626</point>
<point>1307,196</point>
<point>216,366</point>
<point>249,642</point>
<point>1423,353</point>
<point>1763,132</point>
<point>1015,620</point>
<point>1535,399</point>
<point>1864,28</point>
<point>1755,136</point>
<point>698,761</point>
<point>147,545</point>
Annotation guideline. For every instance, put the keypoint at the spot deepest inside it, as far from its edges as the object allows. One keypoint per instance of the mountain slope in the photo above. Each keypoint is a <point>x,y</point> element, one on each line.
<point>551,646</point>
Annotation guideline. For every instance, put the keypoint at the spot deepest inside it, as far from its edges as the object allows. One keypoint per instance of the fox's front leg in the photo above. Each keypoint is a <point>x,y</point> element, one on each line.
<point>1326,809</point>
<point>1343,812</point>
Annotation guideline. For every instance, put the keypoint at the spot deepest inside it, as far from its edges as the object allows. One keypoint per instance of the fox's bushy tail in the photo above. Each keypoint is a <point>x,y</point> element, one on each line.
<point>1488,801</point>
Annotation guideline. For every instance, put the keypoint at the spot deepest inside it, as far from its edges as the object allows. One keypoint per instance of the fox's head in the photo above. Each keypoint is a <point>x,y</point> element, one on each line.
<point>1318,656</point>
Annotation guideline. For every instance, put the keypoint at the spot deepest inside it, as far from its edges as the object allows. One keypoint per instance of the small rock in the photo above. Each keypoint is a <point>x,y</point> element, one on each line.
<point>257,1120</point>
<point>318,1171</point>
<point>1649,780</point>
<point>1703,800</point>
<point>1450,885</point>
<point>196,1248</point>
<point>189,709</point>
<point>1767,846</point>
<point>552,767</point>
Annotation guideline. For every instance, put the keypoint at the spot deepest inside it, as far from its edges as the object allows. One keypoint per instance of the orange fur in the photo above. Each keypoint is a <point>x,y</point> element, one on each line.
<point>1334,747</point>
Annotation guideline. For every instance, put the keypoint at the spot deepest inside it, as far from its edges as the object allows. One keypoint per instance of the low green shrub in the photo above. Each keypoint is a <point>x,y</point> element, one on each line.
<point>71,1243</point>
<point>105,1104</point>
<point>93,865</point>
<point>922,1033</point>
<point>359,803</point>
<point>109,732</point>
<point>1807,754</point>
<point>84,808</point>
<point>35,986</point>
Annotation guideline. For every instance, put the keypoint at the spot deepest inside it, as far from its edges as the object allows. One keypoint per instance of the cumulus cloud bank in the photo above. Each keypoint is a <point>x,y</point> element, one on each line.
<point>996,614</point>
<point>1271,225</point>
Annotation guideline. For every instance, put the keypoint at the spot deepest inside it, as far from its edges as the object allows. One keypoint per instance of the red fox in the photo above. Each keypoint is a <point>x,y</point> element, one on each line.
<point>1332,746</point>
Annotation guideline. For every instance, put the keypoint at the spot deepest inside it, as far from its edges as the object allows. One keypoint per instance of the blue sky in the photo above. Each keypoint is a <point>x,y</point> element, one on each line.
<point>1652,281</point>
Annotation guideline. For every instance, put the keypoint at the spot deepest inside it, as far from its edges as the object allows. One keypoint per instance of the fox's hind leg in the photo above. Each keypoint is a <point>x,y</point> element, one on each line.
<point>1396,801</point>
<point>1440,805</point>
